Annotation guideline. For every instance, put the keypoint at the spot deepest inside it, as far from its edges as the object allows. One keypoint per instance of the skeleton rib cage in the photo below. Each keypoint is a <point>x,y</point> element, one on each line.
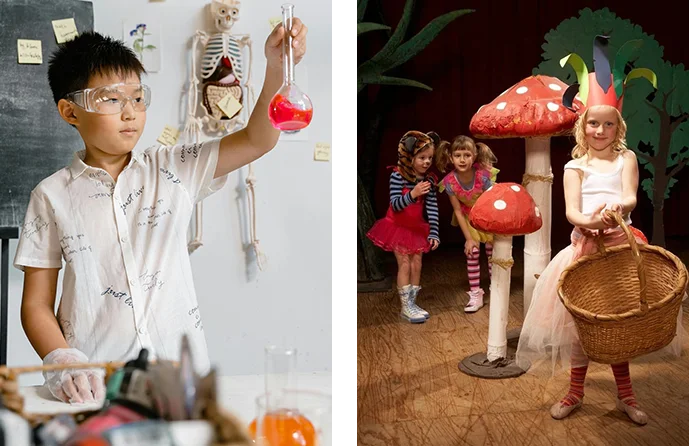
<point>219,46</point>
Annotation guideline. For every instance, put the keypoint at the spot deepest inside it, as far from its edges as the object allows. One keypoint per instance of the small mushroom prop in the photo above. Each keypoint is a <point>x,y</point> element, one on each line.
<point>505,210</point>
<point>531,109</point>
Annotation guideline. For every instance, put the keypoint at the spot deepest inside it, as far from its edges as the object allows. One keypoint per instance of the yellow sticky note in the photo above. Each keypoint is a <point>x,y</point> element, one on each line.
<point>65,30</point>
<point>29,51</point>
<point>229,105</point>
<point>169,136</point>
<point>322,152</point>
<point>274,21</point>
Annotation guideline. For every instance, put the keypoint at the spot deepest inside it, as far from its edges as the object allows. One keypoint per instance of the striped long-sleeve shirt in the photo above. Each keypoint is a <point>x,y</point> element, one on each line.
<point>399,201</point>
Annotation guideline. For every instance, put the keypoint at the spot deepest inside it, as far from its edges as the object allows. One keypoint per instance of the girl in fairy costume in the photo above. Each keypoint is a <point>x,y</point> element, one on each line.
<point>472,174</point>
<point>602,178</point>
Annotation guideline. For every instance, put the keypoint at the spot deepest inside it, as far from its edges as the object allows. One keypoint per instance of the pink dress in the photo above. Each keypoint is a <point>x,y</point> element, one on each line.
<point>483,179</point>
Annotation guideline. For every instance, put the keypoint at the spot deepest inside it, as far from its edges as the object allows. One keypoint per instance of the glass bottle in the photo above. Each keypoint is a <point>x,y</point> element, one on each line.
<point>290,110</point>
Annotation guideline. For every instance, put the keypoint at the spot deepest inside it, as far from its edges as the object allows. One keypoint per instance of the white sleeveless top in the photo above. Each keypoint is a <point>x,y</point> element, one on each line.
<point>598,188</point>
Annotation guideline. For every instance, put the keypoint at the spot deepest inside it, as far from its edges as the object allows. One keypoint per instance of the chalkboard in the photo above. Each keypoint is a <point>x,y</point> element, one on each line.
<point>34,141</point>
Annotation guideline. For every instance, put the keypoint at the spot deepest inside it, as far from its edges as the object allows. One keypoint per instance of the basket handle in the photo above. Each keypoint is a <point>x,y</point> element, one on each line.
<point>640,269</point>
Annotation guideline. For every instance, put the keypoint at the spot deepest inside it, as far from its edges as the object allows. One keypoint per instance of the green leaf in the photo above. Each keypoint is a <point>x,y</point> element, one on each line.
<point>582,74</point>
<point>669,186</point>
<point>397,36</point>
<point>641,159</point>
<point>149,47</point>
<point>642,72</point>
<point>368,26</point>
<point>137,46</point>
<point>647,186</point>
<point>420,41</point>
<point>624,55</point>
<point>361,10</point>
<point>388,80</point>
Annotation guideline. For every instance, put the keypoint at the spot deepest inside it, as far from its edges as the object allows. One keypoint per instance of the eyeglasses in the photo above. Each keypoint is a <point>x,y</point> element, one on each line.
<point>111,99</point>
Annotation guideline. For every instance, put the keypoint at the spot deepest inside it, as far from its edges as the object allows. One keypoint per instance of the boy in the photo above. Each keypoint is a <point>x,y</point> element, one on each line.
<point>119,218</point>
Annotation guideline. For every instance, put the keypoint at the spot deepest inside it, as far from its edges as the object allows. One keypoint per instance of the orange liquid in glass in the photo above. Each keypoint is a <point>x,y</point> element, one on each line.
<point>285,428</point>
<point>284,116</point>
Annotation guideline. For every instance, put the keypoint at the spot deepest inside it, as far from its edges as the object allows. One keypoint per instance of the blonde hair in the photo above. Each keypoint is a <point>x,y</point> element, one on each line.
<point>481,152</point>
<point>619,144</point>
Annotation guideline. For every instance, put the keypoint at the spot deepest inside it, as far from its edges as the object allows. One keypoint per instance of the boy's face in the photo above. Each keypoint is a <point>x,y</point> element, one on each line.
<point>115,134</point>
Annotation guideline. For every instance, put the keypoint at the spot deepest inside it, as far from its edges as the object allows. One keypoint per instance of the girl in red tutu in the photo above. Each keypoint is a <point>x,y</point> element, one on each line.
<point>410,227</point>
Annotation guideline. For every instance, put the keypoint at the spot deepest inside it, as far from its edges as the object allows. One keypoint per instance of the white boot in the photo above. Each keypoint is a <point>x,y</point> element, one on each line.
<point>412,301</point>
<point>408,312</point>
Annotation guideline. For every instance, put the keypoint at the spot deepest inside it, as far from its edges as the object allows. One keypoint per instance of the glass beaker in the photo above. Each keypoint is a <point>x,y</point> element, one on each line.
<point>290,110</point>
<point>294,418</point>
<point>280,373</point>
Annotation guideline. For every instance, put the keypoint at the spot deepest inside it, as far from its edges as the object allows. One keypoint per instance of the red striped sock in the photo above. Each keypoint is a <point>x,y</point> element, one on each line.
<point>474,271</point>
<point>624,383</point>
<point>489,254</point>
<point>576,386</point>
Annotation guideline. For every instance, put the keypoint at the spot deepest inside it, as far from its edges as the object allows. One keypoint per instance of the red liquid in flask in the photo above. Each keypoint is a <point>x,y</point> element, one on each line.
<point>286,117</point>
<point>285,428</point>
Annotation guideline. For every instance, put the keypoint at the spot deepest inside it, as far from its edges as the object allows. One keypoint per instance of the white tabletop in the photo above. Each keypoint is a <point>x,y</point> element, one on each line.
<point>236,393</point>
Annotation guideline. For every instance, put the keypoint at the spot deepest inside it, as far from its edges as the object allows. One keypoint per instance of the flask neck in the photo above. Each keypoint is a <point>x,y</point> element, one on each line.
<point>287,50</point>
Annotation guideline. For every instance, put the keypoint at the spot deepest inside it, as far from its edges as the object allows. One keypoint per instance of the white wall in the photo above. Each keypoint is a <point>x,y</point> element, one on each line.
<point>243,309</point>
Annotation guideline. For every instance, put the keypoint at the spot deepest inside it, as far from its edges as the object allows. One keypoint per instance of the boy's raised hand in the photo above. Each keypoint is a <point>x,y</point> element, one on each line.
<point>274,44</point>
<point>74,385</point>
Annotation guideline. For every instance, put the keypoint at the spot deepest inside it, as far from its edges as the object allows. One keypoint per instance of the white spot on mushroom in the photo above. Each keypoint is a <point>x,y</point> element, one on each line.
<point>552,106</point>
<point>501,106</point>
<point>522,90</point>
<point>515,188</point>
<point>555,87</point>
<point>538,212</point>
<point>500,205</point>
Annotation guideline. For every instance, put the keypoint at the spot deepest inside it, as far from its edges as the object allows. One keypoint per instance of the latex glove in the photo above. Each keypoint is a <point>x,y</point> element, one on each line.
<point>74,385</point>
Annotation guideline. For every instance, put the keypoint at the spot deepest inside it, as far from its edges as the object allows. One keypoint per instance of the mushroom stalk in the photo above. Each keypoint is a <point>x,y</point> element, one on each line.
<point>538,181</point>
<point>499,297</point>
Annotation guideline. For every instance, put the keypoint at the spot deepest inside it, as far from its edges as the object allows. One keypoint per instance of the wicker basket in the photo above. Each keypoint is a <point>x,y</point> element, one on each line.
<point>624,299</point>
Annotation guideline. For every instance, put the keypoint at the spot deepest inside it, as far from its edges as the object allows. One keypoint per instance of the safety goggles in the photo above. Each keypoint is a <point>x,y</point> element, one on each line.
<point>111,99</point>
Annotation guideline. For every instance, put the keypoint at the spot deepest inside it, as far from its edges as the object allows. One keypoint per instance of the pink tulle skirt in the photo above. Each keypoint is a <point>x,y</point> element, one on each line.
<point>549,332</point>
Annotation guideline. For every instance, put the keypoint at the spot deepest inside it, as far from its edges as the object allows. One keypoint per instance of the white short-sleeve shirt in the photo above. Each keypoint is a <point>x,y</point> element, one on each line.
<point>127,281</point>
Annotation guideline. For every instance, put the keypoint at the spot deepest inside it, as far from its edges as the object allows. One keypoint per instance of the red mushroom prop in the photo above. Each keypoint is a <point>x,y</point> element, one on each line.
<point>505,210</point>
<point>531,109</point>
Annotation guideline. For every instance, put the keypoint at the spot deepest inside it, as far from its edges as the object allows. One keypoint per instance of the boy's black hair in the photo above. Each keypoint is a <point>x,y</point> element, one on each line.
<point>74,62</point>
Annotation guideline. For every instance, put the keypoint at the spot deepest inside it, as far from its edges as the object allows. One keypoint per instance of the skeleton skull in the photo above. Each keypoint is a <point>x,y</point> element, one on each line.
<point>225,13</point>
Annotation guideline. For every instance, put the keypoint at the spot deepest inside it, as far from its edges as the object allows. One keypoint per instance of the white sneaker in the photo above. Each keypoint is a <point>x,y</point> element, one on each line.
<point>475,301</point>
<point>412,301</point>
<point>408,312</point>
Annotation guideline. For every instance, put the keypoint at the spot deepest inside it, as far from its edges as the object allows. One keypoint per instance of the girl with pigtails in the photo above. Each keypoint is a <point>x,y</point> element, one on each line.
<point>472,173</point>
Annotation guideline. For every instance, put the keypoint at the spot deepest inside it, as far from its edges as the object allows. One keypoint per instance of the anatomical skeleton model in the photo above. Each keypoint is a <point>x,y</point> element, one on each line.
<point>225,70</point>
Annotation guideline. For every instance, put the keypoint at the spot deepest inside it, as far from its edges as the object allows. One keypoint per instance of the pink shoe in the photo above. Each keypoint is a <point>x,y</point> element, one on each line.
<point>560,411</point>
<point>634,413</point>
<point>475,301</point>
